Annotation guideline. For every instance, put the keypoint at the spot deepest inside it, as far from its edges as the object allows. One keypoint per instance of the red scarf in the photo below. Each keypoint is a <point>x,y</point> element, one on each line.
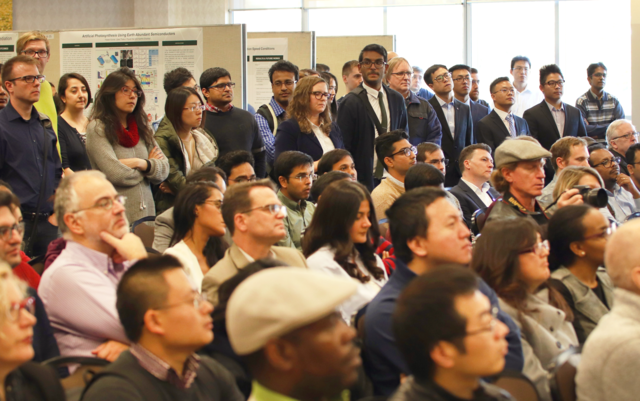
<point>129,137</point>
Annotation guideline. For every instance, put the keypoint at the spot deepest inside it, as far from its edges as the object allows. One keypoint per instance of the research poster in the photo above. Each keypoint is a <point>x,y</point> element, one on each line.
<point>7,45</point>
<point>261,54</point>
<point>148,52</point>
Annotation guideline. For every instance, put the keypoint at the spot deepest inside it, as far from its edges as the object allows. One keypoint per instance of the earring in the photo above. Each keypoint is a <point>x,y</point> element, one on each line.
<point>582,253</point>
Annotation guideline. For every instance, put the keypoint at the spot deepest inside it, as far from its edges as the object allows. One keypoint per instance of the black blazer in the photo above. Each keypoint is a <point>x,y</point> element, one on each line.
<point>543,127</point>
<point>492,131</point>
<point>289,137</point>
<point>450,146</point>
<point>469,201</point>
<point>359,131</point>
<point>478,112</point>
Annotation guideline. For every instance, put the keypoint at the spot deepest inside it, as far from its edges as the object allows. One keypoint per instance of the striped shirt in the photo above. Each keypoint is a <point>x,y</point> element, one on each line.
<point>162,371</point>
<point>599,112</point>
<point>269,137</point>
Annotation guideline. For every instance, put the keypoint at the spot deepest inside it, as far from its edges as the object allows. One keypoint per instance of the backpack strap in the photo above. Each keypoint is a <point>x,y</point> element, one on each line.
<point>274,125</point>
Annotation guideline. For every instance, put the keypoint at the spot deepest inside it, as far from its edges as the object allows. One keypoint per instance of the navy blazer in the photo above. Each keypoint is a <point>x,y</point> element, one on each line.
<point>492,131</point>
<point>424,125</point>
<point>359,131</point>
<point>478,112</point>
<point>543,126</point>
<point>469,201</point>
<point>453,146</point>
<point>289,137</point>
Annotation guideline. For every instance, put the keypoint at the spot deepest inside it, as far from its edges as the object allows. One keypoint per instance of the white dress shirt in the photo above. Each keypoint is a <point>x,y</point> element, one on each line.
<point>189,262</point>
<point>623,203</point>
<point>483,193</point>
<point>526,100</point>
<point>325,141</point>
<point>375,104</point>
<point>503,116</point>
<point>558,116</point>
<point>449,114</point>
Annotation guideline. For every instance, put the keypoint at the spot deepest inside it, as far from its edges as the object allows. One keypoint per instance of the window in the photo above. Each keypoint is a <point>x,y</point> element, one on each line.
<point>347,21</point>
<point>287,20</point>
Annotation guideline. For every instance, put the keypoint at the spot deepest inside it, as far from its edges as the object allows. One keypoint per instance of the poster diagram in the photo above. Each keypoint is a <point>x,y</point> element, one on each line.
<point>148,52</point>
<point>262,53</point>
<point>7,46</point>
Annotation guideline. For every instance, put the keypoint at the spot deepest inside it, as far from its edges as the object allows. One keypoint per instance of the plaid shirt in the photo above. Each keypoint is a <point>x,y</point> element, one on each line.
<point>599,112</point>
<point>214,109</point>
<point>162,371</point>
<point>269,137</point>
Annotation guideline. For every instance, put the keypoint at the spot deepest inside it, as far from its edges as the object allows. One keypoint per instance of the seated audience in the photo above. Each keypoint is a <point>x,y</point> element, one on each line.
<point>631,157</point>
<point>325,180</point>
<point>450,337</point>
<point>426,175</point>
<point>397,155</point>
<point>166,321</point>
<point>79,289</point>
<point>253,215</point>
<point>572,176</point>
<point>427,232</point>
<point>164,224</point>
<point>340,241</point>
<point>197,238</point>
<point>569,151</point>
<point>120,143</point>
<point>175,79</point>
<point>607,369</point>
<point>75,95</point>
<point>295,175</point>
<point>20,378</point>
<point>183,141</point>
<point>577,239</point>
<point>332,86</point>
<point>237,166</point>
<point>337,159</point>
<point>283,323</point>
<point>474,191</point>
<point>432,153</point>
<point>621,134</point>
<point>310,128</point>
<point>511,258</point>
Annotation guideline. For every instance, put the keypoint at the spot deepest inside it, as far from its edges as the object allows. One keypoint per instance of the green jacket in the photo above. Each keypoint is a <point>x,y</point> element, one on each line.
<point>298,219</point>
<point>171,145</point>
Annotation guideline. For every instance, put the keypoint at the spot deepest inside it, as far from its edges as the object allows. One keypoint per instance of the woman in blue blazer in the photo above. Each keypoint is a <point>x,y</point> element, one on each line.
<point>309,128</point>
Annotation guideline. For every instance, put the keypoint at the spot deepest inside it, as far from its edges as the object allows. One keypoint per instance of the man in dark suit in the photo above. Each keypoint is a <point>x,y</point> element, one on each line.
<point>461,76</point>
<point>454,116</point>
<point>474,191</point>
<point>501,123</point>
<point>475,89</point>
<point>552,119</point>
<point>370,110</point>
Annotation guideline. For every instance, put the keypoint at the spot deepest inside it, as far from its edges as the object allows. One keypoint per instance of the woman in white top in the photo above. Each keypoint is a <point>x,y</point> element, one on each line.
<point>340,241</point>
<point>197,238</point>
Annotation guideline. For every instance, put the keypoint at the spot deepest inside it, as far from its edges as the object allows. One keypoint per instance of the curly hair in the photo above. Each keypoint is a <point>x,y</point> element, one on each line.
<point>299,105</point>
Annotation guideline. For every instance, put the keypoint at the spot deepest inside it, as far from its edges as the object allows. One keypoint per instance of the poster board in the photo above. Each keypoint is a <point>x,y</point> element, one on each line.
<point>334,51</point>
<point>8,45</point>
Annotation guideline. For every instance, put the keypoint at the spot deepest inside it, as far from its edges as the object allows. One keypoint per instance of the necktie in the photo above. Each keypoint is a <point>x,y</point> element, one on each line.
<point>512,125</point>
<point>383,122</point>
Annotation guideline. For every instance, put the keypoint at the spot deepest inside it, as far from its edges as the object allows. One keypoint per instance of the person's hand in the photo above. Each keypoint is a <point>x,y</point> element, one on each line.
<point>385,255</point>
<point>109,350</point>
<point>570,197</point>
<point>134,163</point>
<point>129,247</point>
<point>585,121</point>
<point>164,187</point>
<point>156,153</point>
<point>625,182</point>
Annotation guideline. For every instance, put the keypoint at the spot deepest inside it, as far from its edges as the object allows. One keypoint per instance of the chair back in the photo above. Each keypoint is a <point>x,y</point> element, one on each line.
<point>83,368</point>
<point>144,231</point>
<point>518,385</point>
<point>562,375</point>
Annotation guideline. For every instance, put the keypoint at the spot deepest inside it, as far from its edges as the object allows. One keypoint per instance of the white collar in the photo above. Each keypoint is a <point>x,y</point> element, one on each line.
<point>373,92</point>
<point>484,189</point>
<point>502,114</point>
<point>395,181</point>
<point>442,102</point>
<point>552,107</point>
<point>250,259</point>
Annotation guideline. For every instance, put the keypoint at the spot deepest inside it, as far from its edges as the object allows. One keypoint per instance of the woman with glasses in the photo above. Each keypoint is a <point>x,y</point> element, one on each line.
<point>332,85</point>
<point>571,176</point>
<point>75,94</point>
<point>120,143</point>
<point>578,236</point>
<point>340,241</point>
<point>197,238</point>
<point>21,379</point>
<point>511,258</point>
<point>310,128</point>
<point>183,140</point>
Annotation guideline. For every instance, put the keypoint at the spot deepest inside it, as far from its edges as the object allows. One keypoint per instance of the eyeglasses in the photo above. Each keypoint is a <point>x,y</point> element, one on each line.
<point>305,177</point>
<point>6,232</point>
<point>196,108</point>
<point>607,162</point>
<point>198,300</point>
<point>553,84</point>
<point>378,63</point>
<point>600,75</point>
<point>128,91</point>
<point>538,249</point>
<point>490,328</point>
<point>461,79</point>
<point>605,234</point>
<point>216,203</point>
<point>506,91</point>
<point>39,53</point>
<point>244,178</point>
<point>626,136</point>
<point>443,77</point>
<point>475,82</point>
<point>321,95</point>
<point>105,204</point>
<point>274,209</point>
<point>196,87</point>
<point>525,69</point>
<point>286,83</point>
<point>28,304</point>
<point>439,161</point>
<point>29,78</point>
<point>407,151</point>
<point>222,87</point>
<point>402,74</point>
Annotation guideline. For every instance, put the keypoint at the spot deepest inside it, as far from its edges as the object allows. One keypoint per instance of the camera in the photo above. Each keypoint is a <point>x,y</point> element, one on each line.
<point>596,197</point>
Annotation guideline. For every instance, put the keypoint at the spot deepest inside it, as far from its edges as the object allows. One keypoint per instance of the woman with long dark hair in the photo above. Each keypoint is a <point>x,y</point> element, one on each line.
<point>577,236</point>
<point>120,143</point>
<point>511,258</point>
<point>75,95</point>
<point>332,86</point>
<point>197,238</point>
<point>340,241</point>
<point>183,141</point>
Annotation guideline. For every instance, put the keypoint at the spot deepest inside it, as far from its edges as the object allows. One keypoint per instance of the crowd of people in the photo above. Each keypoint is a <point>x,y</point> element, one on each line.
<point>400,242</point>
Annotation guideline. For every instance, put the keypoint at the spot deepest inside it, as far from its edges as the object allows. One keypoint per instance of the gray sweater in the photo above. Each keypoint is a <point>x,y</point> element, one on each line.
<point>608,370</point>
<point>132,183</point>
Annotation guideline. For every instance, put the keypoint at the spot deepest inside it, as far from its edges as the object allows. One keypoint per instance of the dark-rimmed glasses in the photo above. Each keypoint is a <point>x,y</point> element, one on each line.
<point>128,91</point>
<point>105,204</point>
<point>6,232</point>
<point>378,63</point>
<point>29,78</point>
<point>606,163</point>
<point>553,84</point>
<point>33,53</point>
<point>321,95</point>
<point>273,209</point>
<point>634,134</point>
<point>222,87</point>
<point>407,151</point>
<point>538,249</point>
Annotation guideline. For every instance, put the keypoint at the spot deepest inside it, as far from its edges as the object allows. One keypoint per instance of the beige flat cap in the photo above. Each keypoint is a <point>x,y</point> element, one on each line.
<point>512,150</point>
<point>279,300</point>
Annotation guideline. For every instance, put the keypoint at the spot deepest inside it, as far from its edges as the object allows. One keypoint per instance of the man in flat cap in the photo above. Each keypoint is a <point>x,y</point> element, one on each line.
<point>283,322</point>
<point>519,177</point>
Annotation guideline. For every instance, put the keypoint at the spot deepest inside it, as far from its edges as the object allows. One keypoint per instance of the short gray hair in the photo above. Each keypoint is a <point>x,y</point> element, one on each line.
<point>613,129</point>
<point>67,198</point>
<point>621,255</point>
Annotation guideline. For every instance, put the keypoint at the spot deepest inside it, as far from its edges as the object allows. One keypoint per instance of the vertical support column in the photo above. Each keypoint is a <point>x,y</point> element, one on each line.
<point>557,32</point>
<point>384,20</point>
<point>635,63</point>
<point>305,19</point>
<point>468,53</point>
